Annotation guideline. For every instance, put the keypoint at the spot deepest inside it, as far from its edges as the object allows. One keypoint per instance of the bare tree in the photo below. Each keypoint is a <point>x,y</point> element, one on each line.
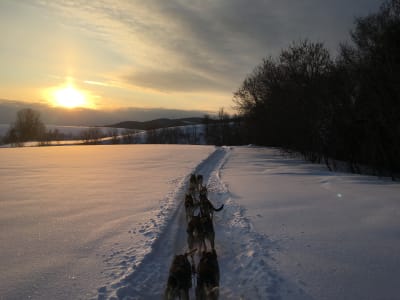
<point>28,126</point>
<point>92,135</point>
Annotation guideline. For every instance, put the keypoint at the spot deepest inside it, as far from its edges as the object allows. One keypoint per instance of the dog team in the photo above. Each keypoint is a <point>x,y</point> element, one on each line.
<point>200,228</point>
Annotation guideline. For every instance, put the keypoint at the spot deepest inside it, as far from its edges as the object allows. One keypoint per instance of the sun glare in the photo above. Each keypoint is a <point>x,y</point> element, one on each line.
<point>69,97</point>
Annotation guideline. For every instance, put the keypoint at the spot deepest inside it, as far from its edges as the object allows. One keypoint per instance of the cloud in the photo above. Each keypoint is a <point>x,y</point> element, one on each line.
<point>189,46</point>
<point>174,81</point>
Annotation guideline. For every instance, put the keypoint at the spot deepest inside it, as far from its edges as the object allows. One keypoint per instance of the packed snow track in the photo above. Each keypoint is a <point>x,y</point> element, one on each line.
<point>242,253</point>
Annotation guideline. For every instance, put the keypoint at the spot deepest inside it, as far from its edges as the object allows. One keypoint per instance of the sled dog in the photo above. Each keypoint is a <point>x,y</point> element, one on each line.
<point>195,233</point>
<point>207,208</point>
<point>180,278</point>
<point>189,207</point>
<point>203,191</point>
<point>200,229</point>
<point>207,287</point>
<point>193,182</point>
<point>199,181</point>
<point>208,231</point>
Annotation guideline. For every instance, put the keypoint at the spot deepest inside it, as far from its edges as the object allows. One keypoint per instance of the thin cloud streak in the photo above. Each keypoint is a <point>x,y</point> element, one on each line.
<point>222,40</point>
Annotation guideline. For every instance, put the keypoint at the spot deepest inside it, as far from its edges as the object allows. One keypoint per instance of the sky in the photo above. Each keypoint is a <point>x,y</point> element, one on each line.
<point>186,57</point>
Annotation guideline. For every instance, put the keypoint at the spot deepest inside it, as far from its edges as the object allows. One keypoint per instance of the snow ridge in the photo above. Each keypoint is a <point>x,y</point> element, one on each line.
<point>147,274</point>
<point>243,253</point>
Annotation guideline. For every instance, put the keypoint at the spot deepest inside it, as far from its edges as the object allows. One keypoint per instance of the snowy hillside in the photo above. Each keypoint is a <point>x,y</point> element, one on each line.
<point>104,222</point>
<point>74,135</point>
<point>70,131</point>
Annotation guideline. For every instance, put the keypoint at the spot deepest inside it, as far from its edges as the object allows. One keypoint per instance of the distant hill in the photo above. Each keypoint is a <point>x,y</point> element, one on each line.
<point>157,123</point>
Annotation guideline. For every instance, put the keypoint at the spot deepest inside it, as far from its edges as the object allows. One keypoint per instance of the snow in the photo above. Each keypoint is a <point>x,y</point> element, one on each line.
<point>103,222</point>
<point>188,134</point>
<point>75,218</point>
<point>336,235</point>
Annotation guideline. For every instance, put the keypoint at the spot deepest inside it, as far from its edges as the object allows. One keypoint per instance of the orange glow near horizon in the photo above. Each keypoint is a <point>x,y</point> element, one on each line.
<point>68,96</point>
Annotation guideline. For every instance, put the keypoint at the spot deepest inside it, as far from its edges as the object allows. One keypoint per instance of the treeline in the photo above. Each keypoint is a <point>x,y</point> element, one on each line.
<point>345,108</point>
<point>174,135</point>
<point>28,127</point>
<point>221,129</point>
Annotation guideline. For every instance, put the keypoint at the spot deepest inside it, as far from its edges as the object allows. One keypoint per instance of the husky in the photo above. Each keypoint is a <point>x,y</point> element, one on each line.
<point>189,207</point>
<point>199,181</point>
<point>203,192</point>
<point>193,182</point>
<point>200,229</point>
<point>207,208</point>
<point>208,231</point>
<point>180,278</point>
<point>208,276</point>
<point>195,231</point>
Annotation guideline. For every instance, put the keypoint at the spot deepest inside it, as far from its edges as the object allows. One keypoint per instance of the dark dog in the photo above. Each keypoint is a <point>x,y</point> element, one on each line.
<point>207,287</point>
<point>189,207</point>
<point>203,191</point>
<point>208,231</point>
<point>179,279</point>
<point>193,182</point>
<point>199,181</point>
<point>207,208</point>
<point>199,229</point>
<point>195,233</point>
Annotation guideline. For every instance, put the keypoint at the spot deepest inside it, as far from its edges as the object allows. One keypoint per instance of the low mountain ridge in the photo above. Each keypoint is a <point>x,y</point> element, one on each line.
<point>157,123</point>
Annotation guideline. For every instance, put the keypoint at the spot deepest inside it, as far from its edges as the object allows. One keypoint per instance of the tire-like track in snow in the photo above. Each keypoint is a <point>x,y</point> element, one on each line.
<point>242,253</point>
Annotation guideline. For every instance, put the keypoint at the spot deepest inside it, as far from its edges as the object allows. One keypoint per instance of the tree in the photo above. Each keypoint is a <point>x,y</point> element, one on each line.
<point>373,67</point>
<point>28,126</point>
<point>283,101</point>
<point>115,136</point>
<point>347,109</point>
<point>91,135</point>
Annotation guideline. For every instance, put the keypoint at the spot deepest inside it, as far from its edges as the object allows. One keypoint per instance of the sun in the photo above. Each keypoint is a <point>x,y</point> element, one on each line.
<point>69,97</point>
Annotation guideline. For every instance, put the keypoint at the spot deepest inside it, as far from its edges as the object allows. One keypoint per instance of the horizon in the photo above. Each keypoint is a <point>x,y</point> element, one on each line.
<point>91,117</point>
<point>153,59</point>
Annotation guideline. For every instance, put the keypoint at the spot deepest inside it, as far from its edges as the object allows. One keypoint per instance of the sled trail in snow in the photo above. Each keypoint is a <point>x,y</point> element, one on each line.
<point>242,253</point>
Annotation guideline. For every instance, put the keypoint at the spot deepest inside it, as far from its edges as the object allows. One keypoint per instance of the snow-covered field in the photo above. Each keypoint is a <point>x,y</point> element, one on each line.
<point>334,235</point>
<point>103,222</point>
<point>72,135</point>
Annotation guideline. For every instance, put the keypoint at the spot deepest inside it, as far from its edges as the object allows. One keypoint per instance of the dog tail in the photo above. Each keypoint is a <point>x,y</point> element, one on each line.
<point>218,209</point>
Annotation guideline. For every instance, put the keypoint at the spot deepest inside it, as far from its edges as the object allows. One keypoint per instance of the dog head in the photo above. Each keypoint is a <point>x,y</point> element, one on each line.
<point>180,272</point>
<point>179,261</point>
<point>209,260</point>
<point>193,178</point>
